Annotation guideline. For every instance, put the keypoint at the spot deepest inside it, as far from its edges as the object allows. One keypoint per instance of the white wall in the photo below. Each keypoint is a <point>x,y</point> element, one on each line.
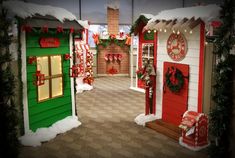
<point>191,58</point>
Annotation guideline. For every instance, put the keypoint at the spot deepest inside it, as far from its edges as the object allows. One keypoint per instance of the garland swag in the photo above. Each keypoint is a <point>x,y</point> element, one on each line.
<point>174,79</point>
<point>141,18</point>
<point>220,114</point>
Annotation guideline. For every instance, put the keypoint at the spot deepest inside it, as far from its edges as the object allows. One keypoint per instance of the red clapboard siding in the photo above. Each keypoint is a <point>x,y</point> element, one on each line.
<point>175,104</point>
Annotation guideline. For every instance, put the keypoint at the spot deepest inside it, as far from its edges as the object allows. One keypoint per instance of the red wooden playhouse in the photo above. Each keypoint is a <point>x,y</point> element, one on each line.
<point>183,62</point>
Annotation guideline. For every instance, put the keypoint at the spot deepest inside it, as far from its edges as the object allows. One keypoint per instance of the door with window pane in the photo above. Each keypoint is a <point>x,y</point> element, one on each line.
<point>51,66</point>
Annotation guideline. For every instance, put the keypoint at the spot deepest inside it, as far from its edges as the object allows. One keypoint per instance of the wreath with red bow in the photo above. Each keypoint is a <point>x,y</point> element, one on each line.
<point>174,79</point>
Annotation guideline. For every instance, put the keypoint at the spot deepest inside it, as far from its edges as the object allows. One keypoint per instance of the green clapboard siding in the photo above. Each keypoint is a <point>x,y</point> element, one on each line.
<point>44,114</point>
<point>50,120</point>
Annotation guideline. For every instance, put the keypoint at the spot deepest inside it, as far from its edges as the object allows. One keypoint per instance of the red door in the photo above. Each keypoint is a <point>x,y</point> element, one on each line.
<point>175,104</point>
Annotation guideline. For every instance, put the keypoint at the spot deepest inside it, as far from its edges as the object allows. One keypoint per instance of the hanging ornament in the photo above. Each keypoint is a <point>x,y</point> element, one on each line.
<point>88,64</point>
<point>67,56</point>
<point>106,57</point>
<point>88,55</point>
<point>60,29</point>
<point>74,71</point>
<point>115,57</point>
<point>71,30</point>
<point>31,59</point>
<point>110,57</point>
<point>38,78</point>
<point>44,29</point>
<point>120,57</point>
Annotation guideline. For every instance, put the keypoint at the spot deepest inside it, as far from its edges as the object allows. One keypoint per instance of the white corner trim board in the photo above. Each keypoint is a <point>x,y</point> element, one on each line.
<point>24,81</point>
<point>71,78</point>
<point>46,134</point>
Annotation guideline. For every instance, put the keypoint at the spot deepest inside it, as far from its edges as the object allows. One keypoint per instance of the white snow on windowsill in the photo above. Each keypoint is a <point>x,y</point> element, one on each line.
<point>141,119</point>
<point>45,134</point>
<point>25,10</point>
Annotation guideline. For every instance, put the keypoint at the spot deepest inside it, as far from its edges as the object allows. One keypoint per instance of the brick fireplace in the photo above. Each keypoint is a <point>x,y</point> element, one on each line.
<point>121,66</point>
<point>116,66</point>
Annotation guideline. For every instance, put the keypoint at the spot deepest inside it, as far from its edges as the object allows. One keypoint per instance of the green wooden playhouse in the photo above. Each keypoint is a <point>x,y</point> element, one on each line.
<point>53,100</point>
<point>47,54</point>
<point>46,58</point>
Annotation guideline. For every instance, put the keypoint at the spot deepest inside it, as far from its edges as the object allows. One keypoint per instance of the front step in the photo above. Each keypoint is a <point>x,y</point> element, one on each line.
<point>167,129</point>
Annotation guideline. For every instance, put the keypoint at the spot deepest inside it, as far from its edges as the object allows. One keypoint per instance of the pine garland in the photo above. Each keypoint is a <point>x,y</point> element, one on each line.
<point>8,113</point>
<point>141,18</point>
<point>220,114</point>
<point>107,42</point>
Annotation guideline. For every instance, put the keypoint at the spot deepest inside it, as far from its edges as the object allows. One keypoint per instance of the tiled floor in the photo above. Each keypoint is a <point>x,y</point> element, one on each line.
<point>108,130</point>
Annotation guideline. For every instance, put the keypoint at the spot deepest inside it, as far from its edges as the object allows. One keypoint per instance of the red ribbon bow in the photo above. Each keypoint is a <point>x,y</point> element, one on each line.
<point>121,34</point>
<point>128,40</point>
<point>172,71</point>
<point>96,38</point>
<point>112,36</point>
<point>60,29</point>
<point>45,29</point>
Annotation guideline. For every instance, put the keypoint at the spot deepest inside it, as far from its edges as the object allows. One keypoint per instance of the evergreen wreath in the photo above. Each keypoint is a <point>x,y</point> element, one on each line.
<point>174,79</point>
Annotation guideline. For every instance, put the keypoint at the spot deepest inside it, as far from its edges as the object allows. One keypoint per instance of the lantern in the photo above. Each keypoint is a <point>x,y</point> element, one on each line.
<point>74,71</point>
<point>38,78</point>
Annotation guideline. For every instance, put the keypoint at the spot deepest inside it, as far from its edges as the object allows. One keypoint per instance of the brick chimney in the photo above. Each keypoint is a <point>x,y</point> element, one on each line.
<point>113,20</point>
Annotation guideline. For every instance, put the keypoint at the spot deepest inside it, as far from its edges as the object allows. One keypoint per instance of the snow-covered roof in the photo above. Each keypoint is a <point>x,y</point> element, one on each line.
<point>114,4</point>
<point>205,13</point>
<point>25,10</point>
<point>148,16</point>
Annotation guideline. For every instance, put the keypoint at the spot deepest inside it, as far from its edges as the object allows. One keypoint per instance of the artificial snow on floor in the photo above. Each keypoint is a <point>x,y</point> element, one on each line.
<point>80,86</point>
<point>197,148</point>
<point>45,134</point>
<point>83,87</point>
<point>141,119</point>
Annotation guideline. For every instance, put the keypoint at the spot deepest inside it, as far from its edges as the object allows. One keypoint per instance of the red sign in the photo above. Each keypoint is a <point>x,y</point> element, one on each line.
<point>49,42</point>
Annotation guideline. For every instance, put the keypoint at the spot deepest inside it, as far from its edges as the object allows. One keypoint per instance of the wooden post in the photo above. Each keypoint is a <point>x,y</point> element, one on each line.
<point>146,100</point>
<point>131,58</point>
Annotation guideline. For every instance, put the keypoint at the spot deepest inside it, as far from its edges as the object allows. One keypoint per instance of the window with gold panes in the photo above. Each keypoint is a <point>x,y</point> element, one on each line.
<point>51,66</point>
